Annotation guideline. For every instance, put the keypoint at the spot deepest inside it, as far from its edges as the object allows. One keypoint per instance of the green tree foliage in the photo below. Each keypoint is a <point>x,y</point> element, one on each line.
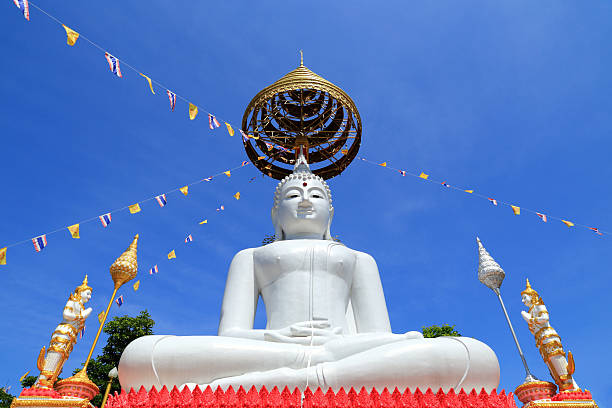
<point>437,331</point>
<point>29,381</point>
<point>5,398</point>
<point>121,331</point>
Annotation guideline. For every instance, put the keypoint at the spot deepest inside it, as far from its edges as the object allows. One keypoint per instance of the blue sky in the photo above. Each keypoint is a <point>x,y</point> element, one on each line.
<point>509,98</point>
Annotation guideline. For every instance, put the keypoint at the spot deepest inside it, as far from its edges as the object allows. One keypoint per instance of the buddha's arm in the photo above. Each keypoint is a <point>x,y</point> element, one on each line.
<point>368,298</point>
<point>240,299</point>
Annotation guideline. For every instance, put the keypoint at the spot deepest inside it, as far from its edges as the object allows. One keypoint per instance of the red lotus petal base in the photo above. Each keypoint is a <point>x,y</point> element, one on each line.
<point>286,399</point>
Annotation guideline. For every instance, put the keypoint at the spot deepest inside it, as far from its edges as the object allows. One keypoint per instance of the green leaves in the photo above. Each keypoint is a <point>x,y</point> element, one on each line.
<point>438,331</point>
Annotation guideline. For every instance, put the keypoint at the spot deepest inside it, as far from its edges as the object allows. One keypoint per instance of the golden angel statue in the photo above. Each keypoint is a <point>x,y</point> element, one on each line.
<point>64,337</point>
<point>547,340</point>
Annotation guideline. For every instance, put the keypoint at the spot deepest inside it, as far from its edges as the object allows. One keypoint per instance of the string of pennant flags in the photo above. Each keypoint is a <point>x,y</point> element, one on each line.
<point>214,122</point>
<point>516,209</point>
<point>115,64</point>
<point>40,242</point>
<point>154,270</point>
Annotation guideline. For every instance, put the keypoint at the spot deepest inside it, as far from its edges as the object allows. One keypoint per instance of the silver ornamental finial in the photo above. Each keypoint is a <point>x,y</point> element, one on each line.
<point>301,165</point>
<point>489,271</point>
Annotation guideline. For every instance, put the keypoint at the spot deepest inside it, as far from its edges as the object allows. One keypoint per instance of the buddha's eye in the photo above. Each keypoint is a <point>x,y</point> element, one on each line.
<point>293,195</point>
<point>316,196</point>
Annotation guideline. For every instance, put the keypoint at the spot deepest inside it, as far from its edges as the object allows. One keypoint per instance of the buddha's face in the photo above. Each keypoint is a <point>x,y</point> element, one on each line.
<point>304,209</point>
<point>526,299</point>
<point>85,295</point>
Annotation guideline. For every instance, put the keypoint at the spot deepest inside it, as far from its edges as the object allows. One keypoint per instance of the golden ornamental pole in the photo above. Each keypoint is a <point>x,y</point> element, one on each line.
<point>123,270</point>
<point>112,374</point>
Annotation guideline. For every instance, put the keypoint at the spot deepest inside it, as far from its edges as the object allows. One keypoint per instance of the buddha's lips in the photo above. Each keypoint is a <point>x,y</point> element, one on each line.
<point>305,212</point>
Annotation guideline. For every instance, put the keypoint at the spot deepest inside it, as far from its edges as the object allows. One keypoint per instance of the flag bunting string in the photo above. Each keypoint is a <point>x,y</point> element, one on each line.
<point>115,63</point>
<point>154,270</point>
<point>495,202</point>
<point>40,242</point>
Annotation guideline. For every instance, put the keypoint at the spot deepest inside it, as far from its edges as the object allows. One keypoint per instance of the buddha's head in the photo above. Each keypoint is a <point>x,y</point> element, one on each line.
<point>83,292</point>
<point>302,205</point>
<point>530,297</point>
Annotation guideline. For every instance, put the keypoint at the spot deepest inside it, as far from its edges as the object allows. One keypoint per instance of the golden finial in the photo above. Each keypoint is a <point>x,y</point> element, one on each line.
<point>301,58</point>
<point>83,286</point>
<point>125,268</point>
<point>535,297</point>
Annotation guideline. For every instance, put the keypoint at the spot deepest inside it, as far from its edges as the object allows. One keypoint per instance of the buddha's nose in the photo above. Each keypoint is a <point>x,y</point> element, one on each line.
<point>305,203</point>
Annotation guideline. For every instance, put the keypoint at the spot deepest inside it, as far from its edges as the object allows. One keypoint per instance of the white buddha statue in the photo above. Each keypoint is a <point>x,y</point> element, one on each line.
<point>327,322</point>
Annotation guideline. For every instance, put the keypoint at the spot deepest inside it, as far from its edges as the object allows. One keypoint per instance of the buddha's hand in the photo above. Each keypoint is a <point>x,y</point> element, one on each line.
<point>526,316</point>
<point>315,332</point>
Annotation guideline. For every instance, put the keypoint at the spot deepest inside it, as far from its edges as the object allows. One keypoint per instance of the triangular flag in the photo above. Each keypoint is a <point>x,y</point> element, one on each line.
<point>515,209</point>
<point>237,195</point>
<point>402,172</point>
<point>193,111</point>
<point>74,231</point>
<point>469,191</point>
<point>344,151</point>
<point>424,176</point>
<point>543,217</point>
<point>261,157</point>
<point>3,256</point>
<point>172,254</point>
<point>229,129</point>
<point>384,164</point>
<point>184,190</point>
<point>71,36</point>
<point>134,208</point>
<point>227,173</point>
<point>201,222</point>
<point>136,285</point>
<point>24,6</point>
<point>568,223</point>
<point>101,317</point>
<point>149,81</point>
<point>24,376</point>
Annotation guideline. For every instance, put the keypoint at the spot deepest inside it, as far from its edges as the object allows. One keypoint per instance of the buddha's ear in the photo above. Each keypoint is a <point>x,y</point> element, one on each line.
<point>278,231</point>
<point>328,232</point>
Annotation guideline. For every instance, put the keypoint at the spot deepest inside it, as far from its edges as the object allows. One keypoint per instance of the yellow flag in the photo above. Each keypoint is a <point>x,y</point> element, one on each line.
<point>261,157</point>
<point>229,129</point>
<point>101,317</point>
<point>204,222</point>
<point>237,195</point>
<point>344,151</point>
<point>172,255</point>
<point>424,176</point>
<point>227,173</point>
<point>568,223</point>
<point>72,36</point>
<point>384,164</point>
<point>184,190</point>
<point>136,285</point>
<point>515,209</point>
<point>24,376</point>
<point>74,231</point>
<point>469,191</point>
<point>134,208</point>
<point>193,111</point>
<point>149,81</point>
<point>3,256</point>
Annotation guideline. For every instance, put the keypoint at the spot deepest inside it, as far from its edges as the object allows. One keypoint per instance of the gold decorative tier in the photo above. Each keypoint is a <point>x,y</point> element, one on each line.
<point>79,386</point>
<point>301,111</point>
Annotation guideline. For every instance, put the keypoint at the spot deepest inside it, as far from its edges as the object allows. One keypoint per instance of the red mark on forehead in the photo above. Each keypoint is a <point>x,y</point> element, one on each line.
<point>304,184</point>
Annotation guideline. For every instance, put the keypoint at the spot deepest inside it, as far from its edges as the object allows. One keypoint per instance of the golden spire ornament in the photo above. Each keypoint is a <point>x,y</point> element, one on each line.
<point>123,270</point>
